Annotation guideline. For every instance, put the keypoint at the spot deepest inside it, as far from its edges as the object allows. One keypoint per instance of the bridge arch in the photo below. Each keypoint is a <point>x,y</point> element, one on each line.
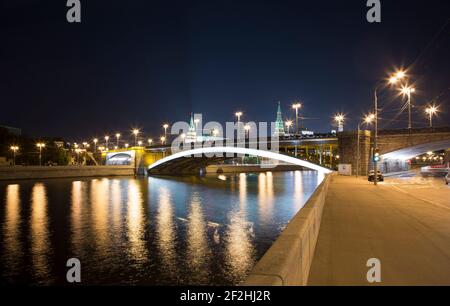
<point>184,158</point>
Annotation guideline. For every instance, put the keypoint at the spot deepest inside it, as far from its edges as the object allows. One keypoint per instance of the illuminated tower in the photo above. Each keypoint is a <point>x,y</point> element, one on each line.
<point>279,126</point>
<point>191,135</point>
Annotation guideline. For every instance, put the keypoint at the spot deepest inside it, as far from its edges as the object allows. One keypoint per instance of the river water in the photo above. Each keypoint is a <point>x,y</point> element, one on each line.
<point>147,231</point>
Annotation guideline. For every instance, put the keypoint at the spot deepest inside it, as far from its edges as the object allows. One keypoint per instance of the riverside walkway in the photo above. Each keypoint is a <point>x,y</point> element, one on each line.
<point>409,232</point>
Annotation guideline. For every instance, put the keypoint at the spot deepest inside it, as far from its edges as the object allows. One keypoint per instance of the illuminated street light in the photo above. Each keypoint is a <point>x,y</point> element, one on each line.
<point>95,144</point>
<point>165,126</point>
<point>369,118</point>
<point>407,91</point>
<point>247,129</point>
<point>40,145</point>
<point>296,106</point>
<point>106,142</point>
<point>395,78</point>
<point>117,138</point>
<point>135,133</point>
<point>150,141</point>
<point>288,125</point>
<point>126,146</point>
<point>238,115</point>
<point>14,149</point>
<point>339,118</point>
<point>216,132</point>
<point>139,143</point>
<point>163,140</point>
<point>431,111</point>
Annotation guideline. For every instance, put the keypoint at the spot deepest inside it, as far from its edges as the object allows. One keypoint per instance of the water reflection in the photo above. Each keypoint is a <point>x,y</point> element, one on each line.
<point>239,249</point>
<point>146,230</point>
<point>13,252</point>
<point>40,243</point>
<point>136,226</point>
<point>198,253</point>
<point>166,232</point>
<point>79,197</point>
<point>99,199</point>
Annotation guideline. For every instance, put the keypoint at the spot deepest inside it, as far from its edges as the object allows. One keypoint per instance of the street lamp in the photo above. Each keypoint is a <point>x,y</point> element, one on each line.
<point>247,129</point>
<point>238,115</point>
<point>135,133</point>
<point>163,139</point>
<point>368,119</point>
<point>296,106</point>
<point>150,141</point>
<point>14,149</point>
<point>394,79</point>
<point>288,125</point>
<point>165,126</point>
<point>139,143</point>
<point>40,145</point>
<point>339,118</point>
<point>431,110</point>
<point>95,144</point>
<point>106,142</point>
<point>117,137</point>
<point>407,91</point>
<point>126,146</point>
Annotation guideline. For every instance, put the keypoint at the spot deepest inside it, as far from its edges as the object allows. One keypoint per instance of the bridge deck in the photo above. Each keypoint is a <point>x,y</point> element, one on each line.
<point>410,236</point>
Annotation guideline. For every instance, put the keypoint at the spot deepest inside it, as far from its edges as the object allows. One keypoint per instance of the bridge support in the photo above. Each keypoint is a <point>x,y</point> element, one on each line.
<point>348,150</point>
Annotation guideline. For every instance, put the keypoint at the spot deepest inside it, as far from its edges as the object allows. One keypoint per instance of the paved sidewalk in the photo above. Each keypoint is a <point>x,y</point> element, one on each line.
<point>409,235</point>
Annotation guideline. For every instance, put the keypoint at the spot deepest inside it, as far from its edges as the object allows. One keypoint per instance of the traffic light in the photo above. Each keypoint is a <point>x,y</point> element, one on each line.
<point>376,156</point>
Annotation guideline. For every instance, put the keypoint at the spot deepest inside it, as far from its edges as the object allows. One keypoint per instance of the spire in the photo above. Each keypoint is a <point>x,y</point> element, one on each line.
<point>279,126</point>
<point>191,135</point>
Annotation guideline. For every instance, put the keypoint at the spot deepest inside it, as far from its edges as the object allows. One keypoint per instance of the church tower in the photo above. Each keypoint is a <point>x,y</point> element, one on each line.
<point>191,135</point>
<point>279,125</point>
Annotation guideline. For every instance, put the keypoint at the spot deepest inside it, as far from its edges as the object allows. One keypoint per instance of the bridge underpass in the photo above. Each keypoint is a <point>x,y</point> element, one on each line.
<point>194,160</point>
<point>396,147</point>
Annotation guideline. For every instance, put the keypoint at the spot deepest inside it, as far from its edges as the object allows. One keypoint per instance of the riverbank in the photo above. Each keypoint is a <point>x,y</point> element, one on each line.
<point>407,230</point>
<point>36,172</point>
<point>288,261</point>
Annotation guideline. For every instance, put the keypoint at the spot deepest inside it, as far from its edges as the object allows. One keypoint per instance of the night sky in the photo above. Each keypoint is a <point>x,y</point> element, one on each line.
<point>142,63</point>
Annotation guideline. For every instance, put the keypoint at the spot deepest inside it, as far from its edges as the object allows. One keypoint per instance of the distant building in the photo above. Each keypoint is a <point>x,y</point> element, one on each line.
<point>12,130</point>
<point>191,135</point>
<point>279,124</point>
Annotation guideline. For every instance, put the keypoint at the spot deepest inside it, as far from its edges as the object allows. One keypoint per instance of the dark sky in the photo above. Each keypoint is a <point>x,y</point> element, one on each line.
<point>142,63</point>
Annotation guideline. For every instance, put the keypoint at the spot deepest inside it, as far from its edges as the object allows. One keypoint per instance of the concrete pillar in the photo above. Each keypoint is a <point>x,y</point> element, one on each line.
<point>348,150</point>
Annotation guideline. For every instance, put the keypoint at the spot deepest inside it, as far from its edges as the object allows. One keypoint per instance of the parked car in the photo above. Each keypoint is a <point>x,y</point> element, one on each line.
<point>447,178</point>
<point>371,176</point>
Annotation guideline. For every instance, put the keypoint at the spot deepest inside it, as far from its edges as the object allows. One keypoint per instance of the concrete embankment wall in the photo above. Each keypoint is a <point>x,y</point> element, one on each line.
<point>19,173</point>
<point>288,261</point>
<point>250,168</point>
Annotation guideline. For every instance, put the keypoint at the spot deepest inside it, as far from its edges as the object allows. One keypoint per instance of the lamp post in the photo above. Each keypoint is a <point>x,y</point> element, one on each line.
<point>367,120</point>
<point>247,129</point>
<point>14,149</point>
<point>165,126</point>
<point>150,141</point>
<point>106,142</point>
<point>163,140</point>
<point>238,115</point>
<point>135,133</point>
<point>40,145</point>
<point>288,125</point>
<point>296,106</point>
<point>394,79</point>
<point>431,110</point>
<point>407,91</point>
<point>340,118</point>
<point>95,144</point>
<point>117,139</point>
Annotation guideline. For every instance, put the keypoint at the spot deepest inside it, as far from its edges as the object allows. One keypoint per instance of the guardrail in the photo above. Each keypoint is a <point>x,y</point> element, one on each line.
<point>288,261</point>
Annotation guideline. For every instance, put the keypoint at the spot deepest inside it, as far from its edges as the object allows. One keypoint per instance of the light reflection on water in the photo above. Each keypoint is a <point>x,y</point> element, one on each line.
<point>191,230</point>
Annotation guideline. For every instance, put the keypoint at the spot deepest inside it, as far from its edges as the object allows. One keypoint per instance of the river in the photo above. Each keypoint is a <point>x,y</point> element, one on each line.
<point>207,230</point>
